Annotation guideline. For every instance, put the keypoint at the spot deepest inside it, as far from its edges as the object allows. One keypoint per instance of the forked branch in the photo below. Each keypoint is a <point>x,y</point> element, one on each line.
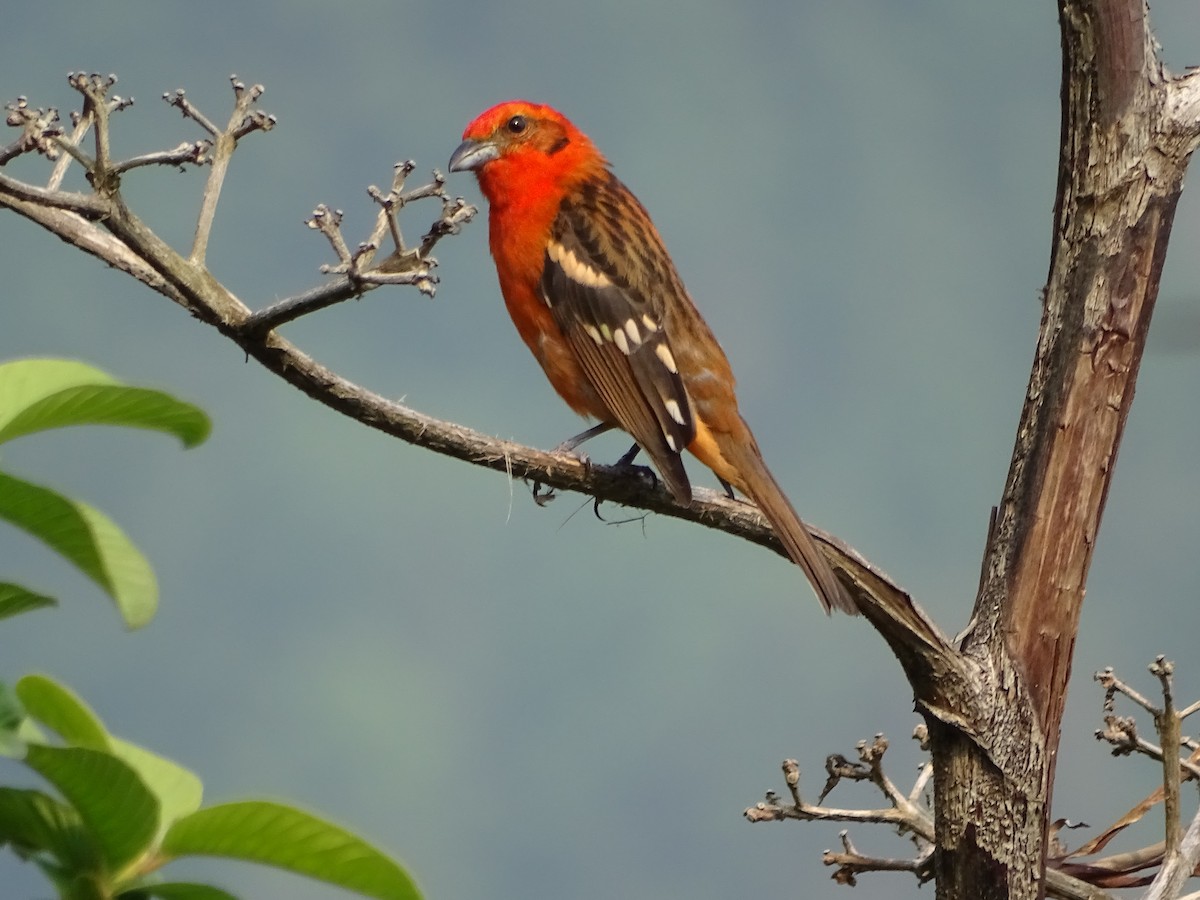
<point>1164,865</point>
<point>100,223</point>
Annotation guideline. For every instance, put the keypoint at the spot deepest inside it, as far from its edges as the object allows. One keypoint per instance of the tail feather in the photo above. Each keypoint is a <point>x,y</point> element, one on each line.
<point>760,485</point>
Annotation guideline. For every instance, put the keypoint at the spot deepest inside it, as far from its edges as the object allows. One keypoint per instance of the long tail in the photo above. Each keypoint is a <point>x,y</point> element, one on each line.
<point>759,484</point>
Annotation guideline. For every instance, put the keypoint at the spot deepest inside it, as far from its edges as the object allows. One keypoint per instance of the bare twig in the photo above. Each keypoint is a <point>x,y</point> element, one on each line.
<point>329,223</point>
<point>1179,866</point>
<point>179,100</point>
<point>1166,722</point>
<point>909,816</point>
<point>195,153</point>
<point>39,129</point>
<point>1113,686</point>
<point>1174,854</point>
<point>97,105</point>
<point>905,812</point>
<point>244,120</point>
<point>1121,732</point>
<point>403,266</point>
<point>82,123</point>
<point>850,863</point>
<point>88,205</point>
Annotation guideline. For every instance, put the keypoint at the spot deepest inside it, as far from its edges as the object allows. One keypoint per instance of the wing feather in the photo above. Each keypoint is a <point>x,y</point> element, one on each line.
<point>607,304</point>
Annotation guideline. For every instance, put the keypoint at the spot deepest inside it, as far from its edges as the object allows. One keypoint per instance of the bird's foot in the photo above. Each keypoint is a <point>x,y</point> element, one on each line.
<point>644,472</point>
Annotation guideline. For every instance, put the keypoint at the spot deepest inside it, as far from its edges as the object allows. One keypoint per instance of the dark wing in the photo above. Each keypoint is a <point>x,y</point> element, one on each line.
<point>603,274</point>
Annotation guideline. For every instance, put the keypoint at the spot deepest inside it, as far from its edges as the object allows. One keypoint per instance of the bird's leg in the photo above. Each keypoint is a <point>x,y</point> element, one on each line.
<point>571,443</point>
<point>540,497</point>
<point>728,488</point>
<point>630,455</point>
<point>626,462</point>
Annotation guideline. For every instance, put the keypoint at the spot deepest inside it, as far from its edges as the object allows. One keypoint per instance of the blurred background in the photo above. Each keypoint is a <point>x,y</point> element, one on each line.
<point>522,702</point>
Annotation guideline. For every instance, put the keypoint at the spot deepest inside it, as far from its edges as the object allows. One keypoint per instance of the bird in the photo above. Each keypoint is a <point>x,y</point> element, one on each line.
<point>594,294</point>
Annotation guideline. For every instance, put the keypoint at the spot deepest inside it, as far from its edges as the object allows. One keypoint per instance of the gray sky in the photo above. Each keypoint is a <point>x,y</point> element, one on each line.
<point>522,702</point>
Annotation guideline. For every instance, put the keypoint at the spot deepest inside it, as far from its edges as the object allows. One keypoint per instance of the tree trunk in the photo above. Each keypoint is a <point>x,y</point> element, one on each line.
<point>1122,160</point>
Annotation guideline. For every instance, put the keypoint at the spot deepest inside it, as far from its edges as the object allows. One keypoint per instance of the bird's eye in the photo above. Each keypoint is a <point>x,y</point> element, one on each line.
<point>516,124</point>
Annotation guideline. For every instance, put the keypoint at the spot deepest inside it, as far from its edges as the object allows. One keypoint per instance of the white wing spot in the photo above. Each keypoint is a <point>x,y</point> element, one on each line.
<point>631,329</point>
<point>651,325</point>
<point>663,352</point>
<point>593,334</point>
<point>674,410</point>
<point>605,332</point>
<point>576,269</point>
<point>621,341</point>
<point>546,299</point>
<point>671,443</point>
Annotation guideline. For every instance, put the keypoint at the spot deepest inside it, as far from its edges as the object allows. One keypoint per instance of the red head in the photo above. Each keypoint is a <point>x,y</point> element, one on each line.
<point>518,147</point>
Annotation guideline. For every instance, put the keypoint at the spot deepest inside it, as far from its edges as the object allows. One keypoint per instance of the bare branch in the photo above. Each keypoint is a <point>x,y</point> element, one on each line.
<point>1166,722</point>
<point>1172,854</point>
<point>82,124</point>
<point>390,203</point>
<point>1121,732</point>
<point>329,223</point>
<point>1113,686</point>
<point>292,308</point>
<point>179,100</point>
<point>97,106</point>
<point>39,128</point>
<point>850,863</point>
<point>244,120</point>
<point>1178,866</point>
<point>403,266</point>
<point>88,205</point>
<point>88,237</point>
<point>906,814</point>
<point>195,153</point>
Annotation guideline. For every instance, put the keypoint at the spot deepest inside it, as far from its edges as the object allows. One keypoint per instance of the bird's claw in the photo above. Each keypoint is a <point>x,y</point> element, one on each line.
<point>542,495</point>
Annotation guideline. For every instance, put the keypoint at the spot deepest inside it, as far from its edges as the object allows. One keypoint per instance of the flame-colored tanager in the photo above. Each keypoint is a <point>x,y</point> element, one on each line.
<point>593,293</point>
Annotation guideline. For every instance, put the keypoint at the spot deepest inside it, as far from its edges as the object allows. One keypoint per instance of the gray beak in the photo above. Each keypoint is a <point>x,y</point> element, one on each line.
<point>472,154</point>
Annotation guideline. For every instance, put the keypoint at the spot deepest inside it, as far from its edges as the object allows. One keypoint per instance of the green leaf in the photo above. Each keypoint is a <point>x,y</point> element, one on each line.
<point>25,382</point>
<point>36,822</point>
<point>179,890</point>
<point>16,728</point>
<point>15,600</point>
<point>58,708</point>
<point>85,887</point>
<point>278,835</point>
<point>179,791</point>
<point>118,810</point>
<point>89,539</point>
<point>12,714</point>
<point>39,394</point>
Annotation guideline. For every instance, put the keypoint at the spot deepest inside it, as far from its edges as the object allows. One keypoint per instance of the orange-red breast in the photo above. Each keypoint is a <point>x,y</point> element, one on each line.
<point>595,296</point>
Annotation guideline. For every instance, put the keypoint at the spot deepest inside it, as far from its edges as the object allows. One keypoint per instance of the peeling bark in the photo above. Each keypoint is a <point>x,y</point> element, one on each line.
<point>1120,175</point>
